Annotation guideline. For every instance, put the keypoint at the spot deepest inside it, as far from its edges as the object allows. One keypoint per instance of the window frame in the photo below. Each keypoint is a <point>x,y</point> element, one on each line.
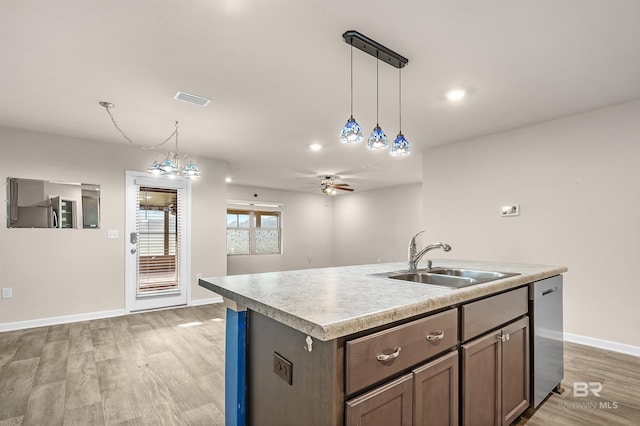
<point>256,211</point>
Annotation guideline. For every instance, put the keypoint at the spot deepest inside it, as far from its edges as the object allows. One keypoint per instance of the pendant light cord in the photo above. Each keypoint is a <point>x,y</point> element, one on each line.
<point>400,99</point>
<point>352,80</point>
<point>108,107</point>
<point>377,89</point>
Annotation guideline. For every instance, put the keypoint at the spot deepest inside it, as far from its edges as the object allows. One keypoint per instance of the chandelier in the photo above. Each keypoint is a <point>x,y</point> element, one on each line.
<point>171,164</point>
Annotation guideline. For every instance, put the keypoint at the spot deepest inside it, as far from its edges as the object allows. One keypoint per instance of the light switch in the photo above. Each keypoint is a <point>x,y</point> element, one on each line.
<point>113,234</point>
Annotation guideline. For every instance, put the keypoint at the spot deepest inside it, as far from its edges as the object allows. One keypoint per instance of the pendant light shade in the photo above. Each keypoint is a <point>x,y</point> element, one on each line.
<point>400,145</point>
<point>351,132</point>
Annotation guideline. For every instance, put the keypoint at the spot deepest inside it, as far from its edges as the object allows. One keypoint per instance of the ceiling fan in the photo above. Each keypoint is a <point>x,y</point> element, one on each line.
<point>328,186</point>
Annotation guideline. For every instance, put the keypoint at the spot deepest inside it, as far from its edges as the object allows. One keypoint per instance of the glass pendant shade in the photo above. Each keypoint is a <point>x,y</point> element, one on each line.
<point>154,168</point>
<point>191,170</point>
<point>351,132</point>
<point>400,146</point>
<point>377,139</point>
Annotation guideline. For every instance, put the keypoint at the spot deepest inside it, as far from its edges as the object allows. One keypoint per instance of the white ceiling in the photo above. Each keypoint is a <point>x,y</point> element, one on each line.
<point>278,75</point>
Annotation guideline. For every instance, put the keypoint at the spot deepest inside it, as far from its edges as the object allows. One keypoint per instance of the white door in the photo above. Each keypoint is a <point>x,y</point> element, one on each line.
<point>157,242</point>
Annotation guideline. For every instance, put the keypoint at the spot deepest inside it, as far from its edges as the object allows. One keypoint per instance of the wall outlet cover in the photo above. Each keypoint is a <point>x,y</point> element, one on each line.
<point>511,210</point>
<point>7,293</point>
<point>283,368</point>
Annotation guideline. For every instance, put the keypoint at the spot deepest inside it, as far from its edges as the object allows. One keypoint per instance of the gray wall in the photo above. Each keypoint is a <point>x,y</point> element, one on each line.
<point>376,226</point>
<point>577,181</point>
<point>307,231</point>
<point>77,271</point>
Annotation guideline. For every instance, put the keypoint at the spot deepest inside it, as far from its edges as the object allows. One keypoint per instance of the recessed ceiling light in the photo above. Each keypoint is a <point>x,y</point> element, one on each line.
<point>456,94</point>
<point>192,99</point>
<point>227,179</point>
<point>315,147</point>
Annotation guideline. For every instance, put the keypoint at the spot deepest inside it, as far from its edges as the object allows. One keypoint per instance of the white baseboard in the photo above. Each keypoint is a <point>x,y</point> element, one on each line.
<point>602,344</point>
<point>198,302</point>
<point>43,322</point>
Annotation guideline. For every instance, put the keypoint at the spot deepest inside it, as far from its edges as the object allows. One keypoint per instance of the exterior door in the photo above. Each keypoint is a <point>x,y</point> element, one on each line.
<point>157,242</point>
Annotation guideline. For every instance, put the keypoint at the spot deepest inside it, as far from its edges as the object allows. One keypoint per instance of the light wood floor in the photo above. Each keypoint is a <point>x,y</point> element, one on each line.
<point>141,369</point>
<point>145,369</point>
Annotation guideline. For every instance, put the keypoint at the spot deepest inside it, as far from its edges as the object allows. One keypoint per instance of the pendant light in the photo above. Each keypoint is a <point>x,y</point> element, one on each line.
<point>400,145</point>
<point>351,132</point>
<point>377,139</point>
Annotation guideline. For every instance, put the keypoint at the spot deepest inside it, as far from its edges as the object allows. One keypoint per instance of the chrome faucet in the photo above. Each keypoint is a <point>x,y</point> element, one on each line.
<point>415,255</point>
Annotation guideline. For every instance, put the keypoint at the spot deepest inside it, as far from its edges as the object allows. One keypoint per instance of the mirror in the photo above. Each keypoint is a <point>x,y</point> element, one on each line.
<point>47,204</point>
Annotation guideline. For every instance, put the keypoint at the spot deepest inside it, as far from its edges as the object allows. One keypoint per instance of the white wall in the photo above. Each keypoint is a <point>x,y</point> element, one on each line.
<point>376,226</point>
<point>76,271</point>
<point>577,181</point>
<point>307,231</point>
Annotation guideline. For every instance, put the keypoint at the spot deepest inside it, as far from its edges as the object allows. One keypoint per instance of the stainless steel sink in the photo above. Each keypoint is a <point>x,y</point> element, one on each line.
<point>470,273</point>
<point>435,279</point>
<point>449,277</point>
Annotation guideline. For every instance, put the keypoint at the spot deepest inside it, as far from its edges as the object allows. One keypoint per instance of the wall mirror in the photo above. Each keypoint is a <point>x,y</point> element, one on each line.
<point>35,203</point>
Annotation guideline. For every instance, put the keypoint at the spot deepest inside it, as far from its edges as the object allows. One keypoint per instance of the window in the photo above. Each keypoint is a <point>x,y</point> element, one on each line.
<point>254,228</point>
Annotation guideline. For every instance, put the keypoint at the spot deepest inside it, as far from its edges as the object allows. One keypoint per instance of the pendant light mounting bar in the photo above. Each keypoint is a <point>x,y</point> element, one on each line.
<point>374,49</point>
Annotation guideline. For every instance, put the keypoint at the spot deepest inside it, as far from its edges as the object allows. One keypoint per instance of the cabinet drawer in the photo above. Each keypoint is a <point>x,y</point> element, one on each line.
<point>403,346</point>
<point>486,314</point>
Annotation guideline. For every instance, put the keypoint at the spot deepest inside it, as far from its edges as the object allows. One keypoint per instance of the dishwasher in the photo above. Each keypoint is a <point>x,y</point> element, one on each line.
<point>545,307</point>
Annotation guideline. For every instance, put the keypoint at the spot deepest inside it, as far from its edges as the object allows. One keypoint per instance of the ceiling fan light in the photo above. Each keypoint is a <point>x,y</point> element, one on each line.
<point>377,139</point>
<point>400,146</point>
<point>351,132</point>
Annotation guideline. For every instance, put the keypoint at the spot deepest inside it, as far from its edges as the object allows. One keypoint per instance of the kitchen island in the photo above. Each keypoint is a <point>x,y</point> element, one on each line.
<point>305,332</point>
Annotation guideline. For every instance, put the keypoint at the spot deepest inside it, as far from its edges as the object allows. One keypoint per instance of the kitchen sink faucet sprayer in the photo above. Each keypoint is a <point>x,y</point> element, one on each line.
<point>415,255</point>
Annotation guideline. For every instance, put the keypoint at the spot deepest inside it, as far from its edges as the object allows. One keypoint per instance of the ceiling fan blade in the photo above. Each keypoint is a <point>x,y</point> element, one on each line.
<point>344,189</point>
<point>335,185</point>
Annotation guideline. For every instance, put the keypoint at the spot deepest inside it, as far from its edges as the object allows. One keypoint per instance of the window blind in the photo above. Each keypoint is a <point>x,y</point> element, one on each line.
<point>159,214</point>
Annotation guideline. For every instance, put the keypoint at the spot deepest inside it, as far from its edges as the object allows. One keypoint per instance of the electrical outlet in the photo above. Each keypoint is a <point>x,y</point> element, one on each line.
<point>7,293</point>
<point>112,234</point>
<point>283,368</point>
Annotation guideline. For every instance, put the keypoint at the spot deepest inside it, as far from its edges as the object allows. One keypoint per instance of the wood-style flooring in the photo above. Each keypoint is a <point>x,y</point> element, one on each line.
<point>145,369</point>
<point>141,369</point>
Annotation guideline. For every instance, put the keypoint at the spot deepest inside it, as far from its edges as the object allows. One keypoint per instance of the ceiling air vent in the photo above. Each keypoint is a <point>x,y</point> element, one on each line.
<point>192,99</point>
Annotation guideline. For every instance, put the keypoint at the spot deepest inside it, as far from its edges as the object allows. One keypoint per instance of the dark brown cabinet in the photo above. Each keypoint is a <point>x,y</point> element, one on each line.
<point>495,375</point>
<point>388,405</point>
<point>435,392</point>
<point>427,396</point>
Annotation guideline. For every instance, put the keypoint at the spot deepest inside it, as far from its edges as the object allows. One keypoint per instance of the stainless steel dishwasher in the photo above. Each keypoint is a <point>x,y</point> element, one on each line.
<point>545,307</point>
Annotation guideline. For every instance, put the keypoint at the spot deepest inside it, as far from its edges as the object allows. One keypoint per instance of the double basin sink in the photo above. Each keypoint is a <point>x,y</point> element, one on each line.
<point>448,277</point>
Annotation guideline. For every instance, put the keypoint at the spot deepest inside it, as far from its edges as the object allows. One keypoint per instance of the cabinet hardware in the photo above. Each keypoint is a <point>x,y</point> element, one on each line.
<point>438,335</point>
<point>384,357</point>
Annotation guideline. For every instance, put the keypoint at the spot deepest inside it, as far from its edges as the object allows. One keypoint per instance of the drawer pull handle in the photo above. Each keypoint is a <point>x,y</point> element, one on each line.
<point>384,357</point>
<point>438,335</point>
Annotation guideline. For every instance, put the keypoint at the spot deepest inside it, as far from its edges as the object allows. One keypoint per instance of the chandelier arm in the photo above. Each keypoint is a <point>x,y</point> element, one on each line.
<point>113,120</point>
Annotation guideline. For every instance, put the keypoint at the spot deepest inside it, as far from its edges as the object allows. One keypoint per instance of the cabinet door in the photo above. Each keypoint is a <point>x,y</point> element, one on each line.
<point>388,405</point>
<point>515,370</point>
<point>481,384</point>
<point>435,392</point>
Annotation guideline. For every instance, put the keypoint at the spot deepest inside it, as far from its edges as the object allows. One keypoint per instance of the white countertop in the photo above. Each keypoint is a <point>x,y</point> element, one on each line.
<point>328,303</point>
